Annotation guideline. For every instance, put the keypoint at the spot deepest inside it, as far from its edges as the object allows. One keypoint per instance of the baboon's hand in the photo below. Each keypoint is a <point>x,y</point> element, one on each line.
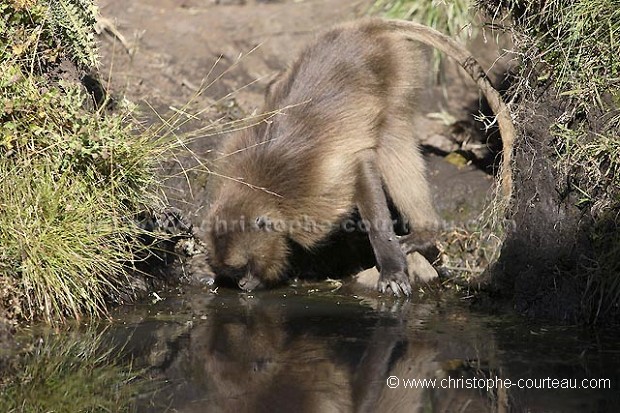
<point>397,281</point>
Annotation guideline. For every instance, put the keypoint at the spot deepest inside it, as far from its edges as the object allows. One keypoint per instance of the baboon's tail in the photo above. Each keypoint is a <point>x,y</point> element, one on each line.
<point>454,50</point>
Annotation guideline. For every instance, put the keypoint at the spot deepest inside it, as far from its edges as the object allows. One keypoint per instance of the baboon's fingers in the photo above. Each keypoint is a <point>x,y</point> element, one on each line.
<point>395,288</point>
<point>398,283</point>
<point>383,286</point>
<point>405,287</point>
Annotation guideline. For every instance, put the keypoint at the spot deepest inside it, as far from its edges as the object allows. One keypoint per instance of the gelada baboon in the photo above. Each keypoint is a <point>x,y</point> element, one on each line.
<point>337,136</point>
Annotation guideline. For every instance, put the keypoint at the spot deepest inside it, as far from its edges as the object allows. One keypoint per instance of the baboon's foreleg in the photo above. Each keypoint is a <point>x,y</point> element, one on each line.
<point>373,208</point>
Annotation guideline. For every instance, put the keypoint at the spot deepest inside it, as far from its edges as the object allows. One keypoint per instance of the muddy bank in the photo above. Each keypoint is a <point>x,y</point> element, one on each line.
<point>560,260</point>
<point>550,262</point>
<point>547,227</point>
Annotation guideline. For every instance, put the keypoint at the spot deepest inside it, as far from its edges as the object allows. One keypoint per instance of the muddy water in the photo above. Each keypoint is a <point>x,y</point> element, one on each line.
<point>309,349</point>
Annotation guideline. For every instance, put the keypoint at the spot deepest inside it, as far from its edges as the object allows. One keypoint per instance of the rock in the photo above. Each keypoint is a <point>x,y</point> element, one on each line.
<point>441,143</point>
<point>419,270</point>
<point>368,278</point>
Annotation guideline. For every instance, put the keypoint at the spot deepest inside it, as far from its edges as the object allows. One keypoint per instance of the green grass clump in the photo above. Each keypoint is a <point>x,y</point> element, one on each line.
<point>64,242</point>
<point>49,123</point>
<point>72,22</point>
<point>69,373</point>
<point>71,180</point>
<point>592,164</point>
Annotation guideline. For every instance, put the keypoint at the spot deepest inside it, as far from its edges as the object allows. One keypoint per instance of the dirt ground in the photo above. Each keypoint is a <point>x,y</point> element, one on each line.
<point>173,49</point>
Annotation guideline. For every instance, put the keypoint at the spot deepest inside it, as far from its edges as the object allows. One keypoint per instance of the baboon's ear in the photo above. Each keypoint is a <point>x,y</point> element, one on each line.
<point>262,222</point>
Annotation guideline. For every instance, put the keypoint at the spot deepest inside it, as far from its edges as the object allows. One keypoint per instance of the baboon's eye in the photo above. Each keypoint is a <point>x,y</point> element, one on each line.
<point>262,222</point>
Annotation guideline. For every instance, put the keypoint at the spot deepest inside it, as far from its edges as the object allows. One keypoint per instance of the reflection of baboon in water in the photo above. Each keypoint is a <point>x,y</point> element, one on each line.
<point>252,364</point>
<point>264,361</point>
<point>309,358</point>
<point>343,141</point>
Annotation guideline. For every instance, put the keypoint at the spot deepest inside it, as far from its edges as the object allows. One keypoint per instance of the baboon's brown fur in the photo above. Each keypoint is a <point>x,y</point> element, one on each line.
<point>343,139</point>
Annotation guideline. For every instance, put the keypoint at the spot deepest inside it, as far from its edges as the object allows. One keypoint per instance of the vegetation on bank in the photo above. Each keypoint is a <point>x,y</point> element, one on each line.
<point>570,48</point>
<point>567,50</point>
<point>72,177</point>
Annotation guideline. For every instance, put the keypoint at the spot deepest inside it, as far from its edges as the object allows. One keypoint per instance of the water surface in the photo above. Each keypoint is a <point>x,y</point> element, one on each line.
<point>309,349</point>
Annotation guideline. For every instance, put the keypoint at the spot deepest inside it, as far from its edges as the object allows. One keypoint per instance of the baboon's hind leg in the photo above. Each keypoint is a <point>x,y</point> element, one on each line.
<point>404,175</point>
<point>422,241</point>
<point>403,170</point>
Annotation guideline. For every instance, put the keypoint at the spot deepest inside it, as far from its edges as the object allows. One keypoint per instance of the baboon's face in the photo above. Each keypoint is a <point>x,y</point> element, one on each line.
<point>246,249</point>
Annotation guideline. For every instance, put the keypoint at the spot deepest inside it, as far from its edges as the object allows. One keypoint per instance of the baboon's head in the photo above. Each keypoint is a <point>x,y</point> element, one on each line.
<point>246,241</point>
